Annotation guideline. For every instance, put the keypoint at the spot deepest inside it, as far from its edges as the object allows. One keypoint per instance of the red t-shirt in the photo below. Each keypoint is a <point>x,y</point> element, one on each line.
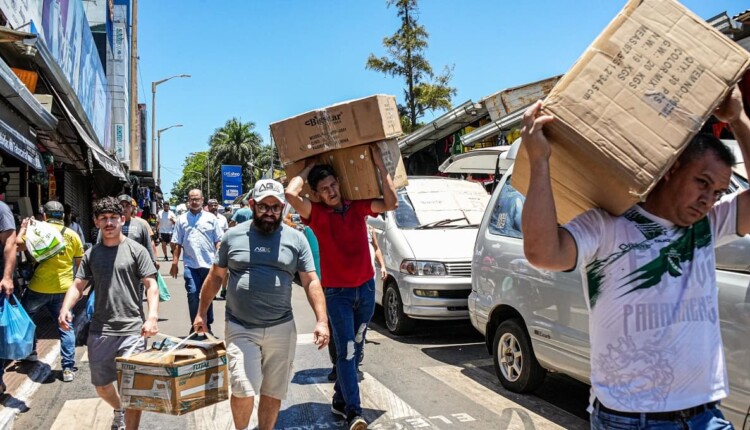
<point>345,260</point>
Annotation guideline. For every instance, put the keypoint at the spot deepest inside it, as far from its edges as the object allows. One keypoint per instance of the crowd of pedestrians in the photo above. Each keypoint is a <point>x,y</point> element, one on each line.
<point>249,257</point>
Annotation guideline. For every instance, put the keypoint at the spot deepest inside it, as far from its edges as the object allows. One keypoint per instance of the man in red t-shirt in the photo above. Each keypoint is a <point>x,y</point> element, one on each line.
<point>346,265</point>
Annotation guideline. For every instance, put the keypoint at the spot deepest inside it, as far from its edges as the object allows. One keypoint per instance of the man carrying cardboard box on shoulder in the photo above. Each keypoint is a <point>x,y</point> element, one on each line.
<point>346,263</point>
<point>657,259</point>
<point>118,266</point>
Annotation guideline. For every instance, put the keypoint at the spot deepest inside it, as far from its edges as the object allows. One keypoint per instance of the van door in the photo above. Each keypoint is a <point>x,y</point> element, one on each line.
<point>552,304</point>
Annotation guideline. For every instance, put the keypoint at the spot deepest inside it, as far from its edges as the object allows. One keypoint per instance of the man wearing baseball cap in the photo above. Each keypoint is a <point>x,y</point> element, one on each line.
<point>260,333</point>
<point>51,280</point>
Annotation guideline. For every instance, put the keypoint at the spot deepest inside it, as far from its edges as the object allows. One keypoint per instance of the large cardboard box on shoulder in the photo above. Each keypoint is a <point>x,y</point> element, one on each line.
<point>342,125</point>
<point>630,105</point>
<point>175,382</point>
<point>357,175</point>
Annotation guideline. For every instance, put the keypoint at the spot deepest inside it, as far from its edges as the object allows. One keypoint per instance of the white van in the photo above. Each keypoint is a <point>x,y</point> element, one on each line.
<point>427,244</point>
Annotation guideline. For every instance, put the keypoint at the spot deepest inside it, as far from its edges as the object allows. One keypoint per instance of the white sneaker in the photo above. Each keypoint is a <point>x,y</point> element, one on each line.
<point>68,375</point>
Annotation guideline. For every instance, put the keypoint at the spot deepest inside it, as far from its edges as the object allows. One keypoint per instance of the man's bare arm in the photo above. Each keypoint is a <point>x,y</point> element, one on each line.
<point>545,245</point>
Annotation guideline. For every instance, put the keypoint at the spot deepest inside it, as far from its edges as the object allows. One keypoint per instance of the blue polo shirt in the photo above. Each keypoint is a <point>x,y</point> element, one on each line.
<point>198,235</point>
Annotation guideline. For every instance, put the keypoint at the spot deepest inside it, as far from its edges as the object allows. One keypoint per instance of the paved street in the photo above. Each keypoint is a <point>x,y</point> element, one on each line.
<point>440,377</point>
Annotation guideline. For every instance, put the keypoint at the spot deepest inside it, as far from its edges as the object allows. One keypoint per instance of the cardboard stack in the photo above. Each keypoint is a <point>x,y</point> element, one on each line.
<point>631,104</point>
<point>174,382</point>
<point>342,135</point>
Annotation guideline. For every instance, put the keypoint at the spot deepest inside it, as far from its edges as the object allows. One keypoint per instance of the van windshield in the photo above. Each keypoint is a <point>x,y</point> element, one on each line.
<point>405,215</point>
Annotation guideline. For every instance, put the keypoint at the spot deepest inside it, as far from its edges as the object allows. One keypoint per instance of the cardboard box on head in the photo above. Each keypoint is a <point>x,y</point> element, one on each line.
<point>342,125</point>
<point>631,104</point>
<point>357,175</point>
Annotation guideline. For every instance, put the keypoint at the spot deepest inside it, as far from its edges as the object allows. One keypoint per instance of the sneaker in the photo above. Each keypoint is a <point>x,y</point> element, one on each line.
<point>223,293</point>
<point>32,357</point>
<point>2,388</point>
<point>68,375</point>
<point>338,408</point>
<point>118,423</point>
<point>356,422</point>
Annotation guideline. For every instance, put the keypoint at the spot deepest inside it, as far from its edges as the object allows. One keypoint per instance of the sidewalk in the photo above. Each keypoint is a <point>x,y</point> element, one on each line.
<point>23,378</point>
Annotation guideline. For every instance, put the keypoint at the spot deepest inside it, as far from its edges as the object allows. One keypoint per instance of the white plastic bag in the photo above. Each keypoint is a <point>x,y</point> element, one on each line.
<point>43,240</point>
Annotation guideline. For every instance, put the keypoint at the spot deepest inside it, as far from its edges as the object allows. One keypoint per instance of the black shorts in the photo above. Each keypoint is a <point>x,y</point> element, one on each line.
<point>165,237</point>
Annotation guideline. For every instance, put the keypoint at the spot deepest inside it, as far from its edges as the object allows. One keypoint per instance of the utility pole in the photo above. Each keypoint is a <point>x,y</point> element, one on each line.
<point>134,144</point>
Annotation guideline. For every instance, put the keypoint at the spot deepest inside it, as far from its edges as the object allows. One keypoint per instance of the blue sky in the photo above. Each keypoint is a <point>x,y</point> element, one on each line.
<point>263,61</point>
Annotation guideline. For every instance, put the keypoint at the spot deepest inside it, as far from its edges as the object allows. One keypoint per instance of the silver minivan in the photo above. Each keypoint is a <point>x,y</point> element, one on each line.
<point>427,244</point>
<point>536,321</point>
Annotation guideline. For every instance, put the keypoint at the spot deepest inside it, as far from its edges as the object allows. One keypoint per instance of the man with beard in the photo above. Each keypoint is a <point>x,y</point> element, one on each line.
<point>198,233</point>
<point>347,269</point>
<point>261,257</point>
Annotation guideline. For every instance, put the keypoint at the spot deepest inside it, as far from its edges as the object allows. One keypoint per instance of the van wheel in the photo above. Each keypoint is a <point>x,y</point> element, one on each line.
<point>393,309</point>
<point>515,363</point>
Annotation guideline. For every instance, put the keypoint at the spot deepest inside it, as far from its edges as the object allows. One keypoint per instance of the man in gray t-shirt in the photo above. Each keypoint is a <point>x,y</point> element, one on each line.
<point>118,266</point>
<point>261,257</point>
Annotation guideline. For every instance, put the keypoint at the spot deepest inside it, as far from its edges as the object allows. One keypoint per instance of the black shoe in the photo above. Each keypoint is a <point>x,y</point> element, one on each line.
<point>338,408</point>
<point>223,293</point>
<point>332,376</point>
<point>356,422</point>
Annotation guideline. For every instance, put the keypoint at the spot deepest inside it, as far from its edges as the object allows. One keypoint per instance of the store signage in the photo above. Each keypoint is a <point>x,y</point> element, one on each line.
<point>231,183</point>
<point>120,140</point>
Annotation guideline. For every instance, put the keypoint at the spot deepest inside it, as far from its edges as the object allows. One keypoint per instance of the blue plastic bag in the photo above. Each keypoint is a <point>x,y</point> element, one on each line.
<point>16,330</point>
<point>82,327</point>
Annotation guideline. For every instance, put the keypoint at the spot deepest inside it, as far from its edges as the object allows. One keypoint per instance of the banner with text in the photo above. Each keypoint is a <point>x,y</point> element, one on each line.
<point>231,183</point>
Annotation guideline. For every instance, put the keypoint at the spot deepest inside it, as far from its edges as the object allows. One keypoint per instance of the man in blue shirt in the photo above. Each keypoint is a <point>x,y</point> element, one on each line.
<point>198,233</point>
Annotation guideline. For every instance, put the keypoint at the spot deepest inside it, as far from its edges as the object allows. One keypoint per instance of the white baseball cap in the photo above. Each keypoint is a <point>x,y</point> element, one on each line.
<point>269,187</point>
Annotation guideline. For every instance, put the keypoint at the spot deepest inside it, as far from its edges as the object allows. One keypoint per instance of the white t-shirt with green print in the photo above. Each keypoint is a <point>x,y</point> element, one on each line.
<point>653,302</point>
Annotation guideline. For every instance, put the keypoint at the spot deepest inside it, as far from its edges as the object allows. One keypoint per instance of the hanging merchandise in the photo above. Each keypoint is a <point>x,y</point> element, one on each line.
<point>43,240</point>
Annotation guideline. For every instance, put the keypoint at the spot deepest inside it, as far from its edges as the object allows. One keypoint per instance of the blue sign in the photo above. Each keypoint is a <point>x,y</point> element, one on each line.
<point>231,183</point>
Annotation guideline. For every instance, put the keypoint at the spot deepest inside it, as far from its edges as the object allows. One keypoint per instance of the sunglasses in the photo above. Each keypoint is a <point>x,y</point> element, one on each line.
<point>263,208</point>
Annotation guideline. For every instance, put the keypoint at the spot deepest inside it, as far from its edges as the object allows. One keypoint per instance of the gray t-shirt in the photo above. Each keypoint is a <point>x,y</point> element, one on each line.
<point>117,272</point>
<point>261,269</point>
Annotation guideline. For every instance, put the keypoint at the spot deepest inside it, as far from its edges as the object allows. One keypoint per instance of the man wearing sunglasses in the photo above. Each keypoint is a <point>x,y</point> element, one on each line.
<point>261,258</point>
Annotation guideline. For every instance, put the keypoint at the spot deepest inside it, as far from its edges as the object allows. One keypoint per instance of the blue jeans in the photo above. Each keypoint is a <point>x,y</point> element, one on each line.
<point>711,419</point>
<point>194,279</point>
<point>32,302</point>
<point>349,312</point>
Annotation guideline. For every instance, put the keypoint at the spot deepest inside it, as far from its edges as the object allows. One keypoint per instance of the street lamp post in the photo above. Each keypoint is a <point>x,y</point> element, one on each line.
<point>158,144</point>
<point>154,169</point>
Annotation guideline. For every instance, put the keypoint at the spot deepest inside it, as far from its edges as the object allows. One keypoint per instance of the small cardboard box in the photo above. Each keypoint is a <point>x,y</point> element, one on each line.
<point>631,104</point>
<point>339,126</point>
<point>175,382</point>
<point>358,177</point>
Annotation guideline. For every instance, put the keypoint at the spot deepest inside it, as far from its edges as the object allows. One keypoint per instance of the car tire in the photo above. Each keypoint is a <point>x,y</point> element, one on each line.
<point>515,363</point>
<point>396,320</point>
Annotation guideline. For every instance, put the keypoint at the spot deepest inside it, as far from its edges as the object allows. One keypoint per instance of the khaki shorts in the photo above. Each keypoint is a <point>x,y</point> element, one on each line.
<point>261,359</point>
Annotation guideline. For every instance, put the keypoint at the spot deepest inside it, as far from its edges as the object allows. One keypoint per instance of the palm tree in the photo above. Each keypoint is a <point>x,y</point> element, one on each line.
<point>236,143</point>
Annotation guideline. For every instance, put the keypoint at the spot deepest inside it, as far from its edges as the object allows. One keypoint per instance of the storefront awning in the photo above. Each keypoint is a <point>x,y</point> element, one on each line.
<point>16,139</point>
<point>109,163</point>
<point>445,125</point>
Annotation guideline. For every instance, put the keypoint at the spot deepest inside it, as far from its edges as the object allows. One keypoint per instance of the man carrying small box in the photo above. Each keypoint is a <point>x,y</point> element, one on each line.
<point>118,266</point>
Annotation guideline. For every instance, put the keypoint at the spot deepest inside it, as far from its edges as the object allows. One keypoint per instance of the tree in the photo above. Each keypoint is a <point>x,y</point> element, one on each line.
<point>405,58</point>
<point>236,143</point>
<point>193,176</point>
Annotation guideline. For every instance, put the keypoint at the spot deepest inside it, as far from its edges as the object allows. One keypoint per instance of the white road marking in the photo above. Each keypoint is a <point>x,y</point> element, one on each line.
<point>511,414</point>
